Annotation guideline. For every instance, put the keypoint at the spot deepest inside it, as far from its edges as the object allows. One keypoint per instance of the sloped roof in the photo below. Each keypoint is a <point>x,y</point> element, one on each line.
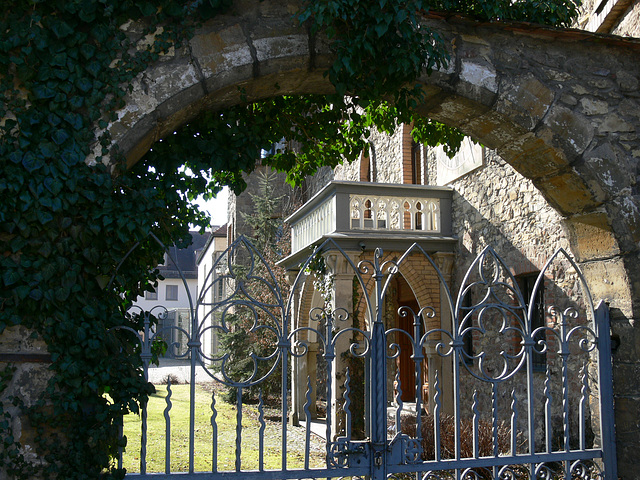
<point>185,258</point>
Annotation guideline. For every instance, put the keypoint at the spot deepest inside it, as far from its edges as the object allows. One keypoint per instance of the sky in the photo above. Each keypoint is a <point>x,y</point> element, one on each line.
<point>216,207</point>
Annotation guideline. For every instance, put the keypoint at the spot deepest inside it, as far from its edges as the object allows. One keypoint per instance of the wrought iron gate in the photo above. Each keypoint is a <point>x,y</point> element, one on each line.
<point>496,395</point>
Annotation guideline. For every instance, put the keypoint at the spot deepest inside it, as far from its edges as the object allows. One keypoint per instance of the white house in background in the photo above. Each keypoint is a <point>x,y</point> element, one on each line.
<point>172,293</point>
<point>211,288</point>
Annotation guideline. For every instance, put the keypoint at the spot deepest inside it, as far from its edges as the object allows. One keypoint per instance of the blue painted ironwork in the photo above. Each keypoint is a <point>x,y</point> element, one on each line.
<point>505,416</point>
<point>167,433</point>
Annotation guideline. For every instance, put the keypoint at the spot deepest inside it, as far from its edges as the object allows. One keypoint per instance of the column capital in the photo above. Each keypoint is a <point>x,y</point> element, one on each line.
<point>444,262</point>
<point>338,264</point>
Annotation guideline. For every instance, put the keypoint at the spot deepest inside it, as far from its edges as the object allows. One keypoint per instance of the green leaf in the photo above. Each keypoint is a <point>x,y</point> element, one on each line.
<point>10,277</point>
<point>60,136</point>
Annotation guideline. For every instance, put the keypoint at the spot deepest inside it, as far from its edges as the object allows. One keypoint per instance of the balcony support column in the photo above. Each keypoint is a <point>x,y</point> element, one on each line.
<point>341,302</point>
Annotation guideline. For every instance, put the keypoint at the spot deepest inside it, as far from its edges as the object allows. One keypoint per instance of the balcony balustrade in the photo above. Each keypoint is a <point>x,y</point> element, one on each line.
<point>362,211</point>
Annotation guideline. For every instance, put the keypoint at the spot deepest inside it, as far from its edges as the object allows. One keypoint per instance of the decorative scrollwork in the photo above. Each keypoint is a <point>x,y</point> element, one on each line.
<point>586,470</point>
<point>412,450</point>
<point>471,474</point>
<point>339,453</point>
<point>513,472</point>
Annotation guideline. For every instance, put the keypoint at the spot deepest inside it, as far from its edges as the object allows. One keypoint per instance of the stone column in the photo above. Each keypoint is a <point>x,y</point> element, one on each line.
<point>30,362</point>
<point>298,364</point>
<point>342,303</point>
<point>443,365</point>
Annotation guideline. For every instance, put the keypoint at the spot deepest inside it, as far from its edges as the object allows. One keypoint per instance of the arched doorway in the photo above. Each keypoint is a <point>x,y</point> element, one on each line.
<point>405,363</point>
<point>559,107</point>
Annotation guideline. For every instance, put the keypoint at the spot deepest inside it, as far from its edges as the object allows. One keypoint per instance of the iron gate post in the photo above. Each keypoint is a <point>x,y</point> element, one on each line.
<point>378,383</point>
<point>605,383</point>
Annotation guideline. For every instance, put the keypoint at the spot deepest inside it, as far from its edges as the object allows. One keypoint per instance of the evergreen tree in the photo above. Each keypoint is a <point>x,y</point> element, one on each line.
<point>254,331</point>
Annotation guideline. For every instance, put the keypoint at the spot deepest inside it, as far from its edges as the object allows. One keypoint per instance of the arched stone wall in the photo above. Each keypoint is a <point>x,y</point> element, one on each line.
<point>560,106</point>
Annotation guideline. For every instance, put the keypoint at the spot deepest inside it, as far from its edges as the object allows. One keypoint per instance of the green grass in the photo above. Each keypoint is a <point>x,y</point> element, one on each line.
<point>226,422</point>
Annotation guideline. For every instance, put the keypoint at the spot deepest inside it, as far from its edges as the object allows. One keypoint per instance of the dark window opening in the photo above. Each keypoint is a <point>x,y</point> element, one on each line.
<point>416,170</point>
<point>526,283</point>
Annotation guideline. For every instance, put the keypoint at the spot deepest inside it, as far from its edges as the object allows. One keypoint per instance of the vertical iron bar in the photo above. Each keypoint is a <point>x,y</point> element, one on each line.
<point>564,353</point>
<point>307,416</point>
<point>284,392</point>
<point>436,418</point>
<point>547,411</point>
<point>238,428</point>
<point>605,382</point>
<point>167,433</point>
<point>120,435</point>
<point>329,356</point>
<point>514,423</point>
<point>261,432</point>
<point>214,438</point>
<point>347,405</point>
<point>476,425</point>
<point>143,440</point>
<point>457,358</point>
<point>584,392</point>
<point>399,403</point>
<point>418,358</point>
<point>194,347</point>
<point>145,355</point>
<point>378,359</point>
<point>494,415</point>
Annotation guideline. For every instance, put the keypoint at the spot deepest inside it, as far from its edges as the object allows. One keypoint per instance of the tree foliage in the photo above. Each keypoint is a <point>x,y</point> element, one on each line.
<point>67,223</point>
<point>251,333</point>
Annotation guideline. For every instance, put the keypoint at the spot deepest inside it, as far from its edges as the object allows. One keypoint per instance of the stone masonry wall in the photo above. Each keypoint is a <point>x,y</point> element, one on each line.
<point>494,205</point>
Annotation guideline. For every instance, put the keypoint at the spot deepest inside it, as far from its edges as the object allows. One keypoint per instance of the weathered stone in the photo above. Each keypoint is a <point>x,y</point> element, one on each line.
<point>613,124</point>
<point>611,166</point>
<point>568,193</point>
<point>626,81</point>
<point>569,130</point>
<point>594,107</point>
<point>520,151</point>
<point>592,237</point>
<point>528,96</point>
<point>569,99</point>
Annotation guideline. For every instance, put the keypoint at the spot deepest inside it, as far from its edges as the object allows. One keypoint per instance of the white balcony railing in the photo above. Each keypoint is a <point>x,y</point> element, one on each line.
<point>354,208</point>
<point>394,213</point>
<point>312,227</point>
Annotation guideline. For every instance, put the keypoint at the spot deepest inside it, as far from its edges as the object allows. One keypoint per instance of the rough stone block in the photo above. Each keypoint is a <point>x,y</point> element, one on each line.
<point>608,281</point>
<point>533,157</point>
<point>568,130</point>
<point>570,193</point>
<point>592,237</point>
<point>526,100</point>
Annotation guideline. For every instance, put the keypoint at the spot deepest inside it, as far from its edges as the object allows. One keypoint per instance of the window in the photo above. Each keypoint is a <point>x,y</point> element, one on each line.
<point>172,292</point>
<point>466,315</point>
<point>526,283</point>
<point>416,165</point>
<point>150,295</point>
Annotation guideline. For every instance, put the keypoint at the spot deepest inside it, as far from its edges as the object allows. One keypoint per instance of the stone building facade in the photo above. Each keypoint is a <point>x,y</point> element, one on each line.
<point>492,205</point>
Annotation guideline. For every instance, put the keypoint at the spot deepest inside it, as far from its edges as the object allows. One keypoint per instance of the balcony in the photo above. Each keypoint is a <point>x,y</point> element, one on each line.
<point>360,215</point>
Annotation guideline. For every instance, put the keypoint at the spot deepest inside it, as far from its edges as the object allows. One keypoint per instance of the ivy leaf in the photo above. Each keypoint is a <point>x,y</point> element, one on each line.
<point>60,136</point>
<point>31,162</point>
<point>10,277</point>
<point>42,92</point>
<point>87,50</point>
<point>60,28</point>
<point>44,217</point>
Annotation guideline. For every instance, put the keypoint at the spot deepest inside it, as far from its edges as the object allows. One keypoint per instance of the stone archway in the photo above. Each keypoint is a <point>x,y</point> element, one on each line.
<point>560,106</point>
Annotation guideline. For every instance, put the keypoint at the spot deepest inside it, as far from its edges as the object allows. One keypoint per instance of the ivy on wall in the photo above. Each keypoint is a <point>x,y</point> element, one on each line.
<point>65,223</point>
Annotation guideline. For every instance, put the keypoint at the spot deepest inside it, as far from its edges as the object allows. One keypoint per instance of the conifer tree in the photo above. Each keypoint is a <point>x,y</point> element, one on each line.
<point>247,334</point>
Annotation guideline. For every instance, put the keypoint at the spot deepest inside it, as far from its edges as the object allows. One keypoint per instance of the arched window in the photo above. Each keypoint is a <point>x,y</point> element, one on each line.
<point>367,168</point>
<point>411,158</point>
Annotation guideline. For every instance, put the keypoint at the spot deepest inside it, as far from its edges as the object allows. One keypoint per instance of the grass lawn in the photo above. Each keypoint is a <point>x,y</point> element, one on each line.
<point>226,423</point>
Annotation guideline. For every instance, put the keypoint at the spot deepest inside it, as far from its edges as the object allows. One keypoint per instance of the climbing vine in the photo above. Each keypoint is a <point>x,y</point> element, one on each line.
<point>70,211</point>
